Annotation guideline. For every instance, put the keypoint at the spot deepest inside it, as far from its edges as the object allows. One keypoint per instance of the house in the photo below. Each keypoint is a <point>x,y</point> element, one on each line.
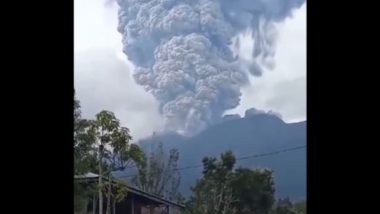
<point>136,201</point>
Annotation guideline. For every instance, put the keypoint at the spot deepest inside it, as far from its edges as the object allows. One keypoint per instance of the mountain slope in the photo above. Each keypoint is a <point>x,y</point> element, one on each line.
<point>253,134</point>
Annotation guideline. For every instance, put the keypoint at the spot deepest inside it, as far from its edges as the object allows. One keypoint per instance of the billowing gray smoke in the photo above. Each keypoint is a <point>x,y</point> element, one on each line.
<point>182,52</point>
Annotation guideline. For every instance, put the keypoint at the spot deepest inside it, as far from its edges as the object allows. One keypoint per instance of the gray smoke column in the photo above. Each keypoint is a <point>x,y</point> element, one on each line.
<point>182,52</point>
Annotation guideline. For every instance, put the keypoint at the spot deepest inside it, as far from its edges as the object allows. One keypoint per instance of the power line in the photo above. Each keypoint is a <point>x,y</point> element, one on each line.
<point>237,159</point>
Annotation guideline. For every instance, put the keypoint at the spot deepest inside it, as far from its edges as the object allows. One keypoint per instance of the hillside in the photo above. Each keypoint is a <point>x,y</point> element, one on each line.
<point>254,134</point>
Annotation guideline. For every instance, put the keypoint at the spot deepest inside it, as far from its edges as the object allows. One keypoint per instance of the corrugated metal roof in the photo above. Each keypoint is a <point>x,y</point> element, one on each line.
<point>92,176</point>
<point>87,175</point>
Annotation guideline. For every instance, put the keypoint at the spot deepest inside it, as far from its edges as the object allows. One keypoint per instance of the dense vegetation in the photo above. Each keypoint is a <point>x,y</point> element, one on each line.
<point>102,146</point>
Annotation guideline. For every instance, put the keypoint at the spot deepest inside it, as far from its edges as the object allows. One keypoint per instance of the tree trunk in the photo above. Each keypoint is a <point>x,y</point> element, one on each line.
<point>151,209</point>
<point>108,211</point>
<point>100,183</point>
<point>94,204</point>
<point>113,206</point>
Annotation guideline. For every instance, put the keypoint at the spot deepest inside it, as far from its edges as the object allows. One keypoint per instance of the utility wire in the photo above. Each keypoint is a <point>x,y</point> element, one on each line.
<point>239,158</point>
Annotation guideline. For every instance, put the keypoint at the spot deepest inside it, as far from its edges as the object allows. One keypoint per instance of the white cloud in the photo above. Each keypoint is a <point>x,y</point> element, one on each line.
<point>104,82</point>
<point>103,76</point>
<point>283,89</point>
<point>95,25</point>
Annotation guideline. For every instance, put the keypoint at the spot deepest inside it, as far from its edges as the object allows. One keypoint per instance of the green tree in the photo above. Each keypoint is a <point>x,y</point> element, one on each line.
<point>213,193</point>
<point>123,155</point>
<point>223,189</point>
<point>103,146</point>
<point>114,152</point>
<point>254,190</point>
<point>300,207</point>
<point>85,159</point>
<point>103,128</point>
<point>80,199</point>
<point>119,192</point>
<point>159,175</point>
<point>285,206</point>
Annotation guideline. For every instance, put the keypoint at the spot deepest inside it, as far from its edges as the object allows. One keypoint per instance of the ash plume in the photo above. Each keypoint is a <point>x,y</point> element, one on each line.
<point>181,50</point>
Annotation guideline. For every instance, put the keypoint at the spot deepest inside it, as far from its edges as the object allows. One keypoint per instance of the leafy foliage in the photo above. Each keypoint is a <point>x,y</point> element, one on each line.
<point>159,175</point>
<point>254,189</point>
<point>223,189</point>
<point>285,206</point>
<point>300,207</point>
<point>102,146</point>
<point>85,158</point>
